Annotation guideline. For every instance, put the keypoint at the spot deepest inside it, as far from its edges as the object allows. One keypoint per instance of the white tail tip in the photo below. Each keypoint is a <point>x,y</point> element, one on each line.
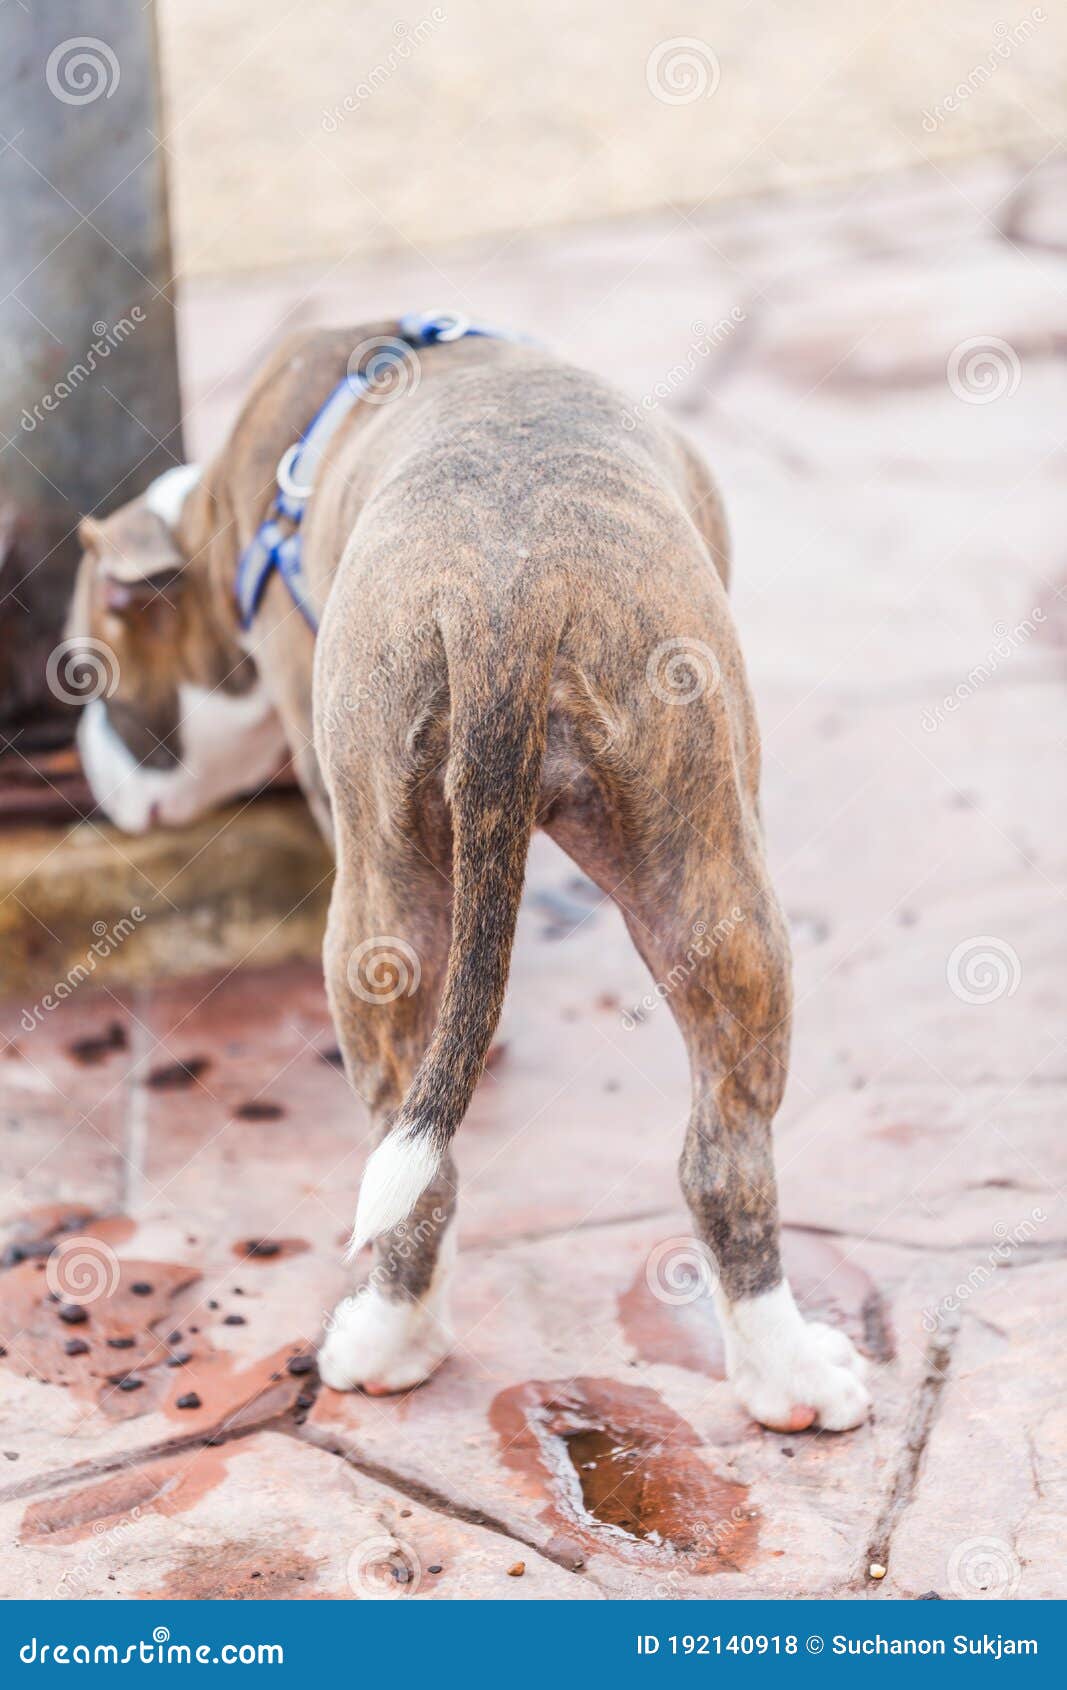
<point>393,1181</point>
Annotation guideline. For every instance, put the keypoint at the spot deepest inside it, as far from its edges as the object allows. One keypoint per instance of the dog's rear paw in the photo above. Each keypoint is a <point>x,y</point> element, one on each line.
<point>381,1346</point>
<point>819,1381</point>
<point>790,1373</point>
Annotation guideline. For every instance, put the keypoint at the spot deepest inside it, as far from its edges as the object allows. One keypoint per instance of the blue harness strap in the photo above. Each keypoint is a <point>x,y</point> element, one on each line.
<point>277,547</point>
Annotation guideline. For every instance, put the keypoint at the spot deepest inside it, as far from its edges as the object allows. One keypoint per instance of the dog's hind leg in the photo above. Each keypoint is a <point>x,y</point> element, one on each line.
<point>733,1005</point>
<point>385,955</point>
<point>699,906</point>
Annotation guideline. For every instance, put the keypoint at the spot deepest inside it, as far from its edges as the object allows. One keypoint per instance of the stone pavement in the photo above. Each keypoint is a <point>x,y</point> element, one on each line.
<point>897,507</point>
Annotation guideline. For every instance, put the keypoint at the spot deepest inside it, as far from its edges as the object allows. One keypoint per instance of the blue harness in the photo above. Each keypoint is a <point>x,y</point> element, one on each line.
<point>277,547</point>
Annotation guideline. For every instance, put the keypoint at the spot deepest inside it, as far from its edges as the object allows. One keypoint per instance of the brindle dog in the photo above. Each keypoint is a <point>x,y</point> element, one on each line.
<point>524,623</point>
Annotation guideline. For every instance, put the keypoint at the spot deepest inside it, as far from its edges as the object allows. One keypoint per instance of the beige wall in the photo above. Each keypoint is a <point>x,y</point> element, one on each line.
<point>469,116</point>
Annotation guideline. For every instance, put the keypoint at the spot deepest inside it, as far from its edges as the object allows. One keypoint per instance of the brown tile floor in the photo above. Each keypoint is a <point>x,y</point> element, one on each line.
<point>896,545</point>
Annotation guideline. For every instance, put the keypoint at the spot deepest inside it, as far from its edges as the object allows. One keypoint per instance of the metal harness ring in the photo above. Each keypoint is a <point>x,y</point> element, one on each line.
<point>292,489</point>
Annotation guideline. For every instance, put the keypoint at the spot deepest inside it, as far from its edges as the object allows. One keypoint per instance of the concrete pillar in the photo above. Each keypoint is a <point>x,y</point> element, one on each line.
<point>88,365</point>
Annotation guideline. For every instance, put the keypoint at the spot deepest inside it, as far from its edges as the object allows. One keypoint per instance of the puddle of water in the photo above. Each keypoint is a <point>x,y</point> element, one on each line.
<point>614,1464</point>
<point>613,1474</point>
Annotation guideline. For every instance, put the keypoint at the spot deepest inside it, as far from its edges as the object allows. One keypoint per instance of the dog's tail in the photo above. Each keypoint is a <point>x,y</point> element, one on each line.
<point>499,680</point>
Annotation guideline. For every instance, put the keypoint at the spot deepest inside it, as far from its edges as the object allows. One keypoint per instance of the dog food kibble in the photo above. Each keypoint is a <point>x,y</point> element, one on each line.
<point>75,1347</point>
<point>517,1570</point>
<point>189,1400</point>
<point>235,1320</point>
<point>72,1314</point>
<point>141,1288</point>
<point>300,1364</point>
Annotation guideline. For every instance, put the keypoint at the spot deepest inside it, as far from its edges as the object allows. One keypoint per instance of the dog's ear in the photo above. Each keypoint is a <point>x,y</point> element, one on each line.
<point>137,558</point>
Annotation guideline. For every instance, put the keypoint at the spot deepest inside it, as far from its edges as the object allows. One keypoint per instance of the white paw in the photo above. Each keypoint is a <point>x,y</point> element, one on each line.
<point>790,1373</point>
<point>381,1346</point>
